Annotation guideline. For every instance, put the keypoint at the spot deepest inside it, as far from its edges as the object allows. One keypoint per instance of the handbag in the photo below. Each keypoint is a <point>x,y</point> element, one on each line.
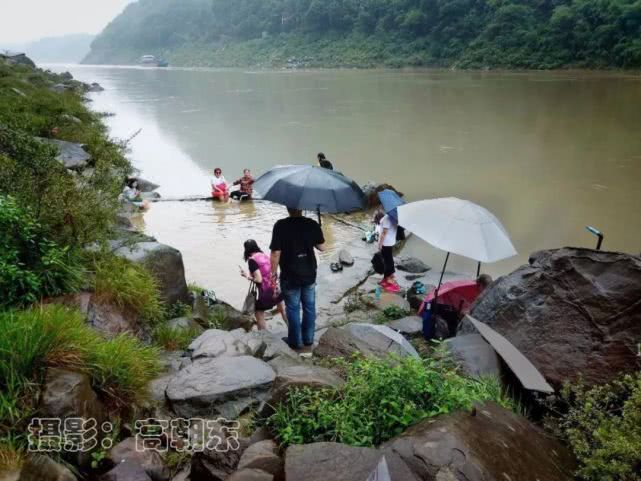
<point>249,306</point>
<point>378,263</point>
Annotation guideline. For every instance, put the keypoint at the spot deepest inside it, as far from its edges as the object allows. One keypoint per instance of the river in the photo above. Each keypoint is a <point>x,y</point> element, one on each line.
<point>547,152</point>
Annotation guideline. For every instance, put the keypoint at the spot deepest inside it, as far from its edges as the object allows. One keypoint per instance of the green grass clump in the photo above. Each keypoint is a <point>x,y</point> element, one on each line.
<point>379,400</point>
<point>602,425</point>
<point>127,285</point>
<point>53,336</point>
<point>174,338</point>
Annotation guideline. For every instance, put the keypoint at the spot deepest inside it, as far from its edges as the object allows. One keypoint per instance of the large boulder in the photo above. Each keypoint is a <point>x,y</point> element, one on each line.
<point>411,265</point>
<point>71,155</point>
<point>572,312</point>
<point>42,468</point>
<point>267,345</point>
<point>166,265</point>
<point>16,58</point>
<point>474,356</point>
<point>217,343</point>
<point>264,456</point>
<point>339,462</point>
<point>151,461</point>
<point>217,465</point>
<point>493,445</point>
<point>369,340</point>
<point>371,190</point>
<point>408,326</point>
<point>224,386</point>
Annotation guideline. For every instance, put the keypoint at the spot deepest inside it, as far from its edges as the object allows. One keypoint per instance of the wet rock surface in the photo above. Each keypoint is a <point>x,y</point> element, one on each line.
<point>224,386</point>
<point>150,461</point>
<point>571,312</point>
<point>339,462</point>
<point>475,357</point>
<point>493,445</point>
<point>166,265</point>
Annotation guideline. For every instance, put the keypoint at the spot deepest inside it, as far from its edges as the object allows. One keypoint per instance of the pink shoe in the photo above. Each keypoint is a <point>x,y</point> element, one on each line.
<point>391,287</point>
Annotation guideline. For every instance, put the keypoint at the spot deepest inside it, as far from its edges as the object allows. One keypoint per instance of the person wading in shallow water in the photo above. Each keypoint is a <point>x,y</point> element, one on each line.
<point>323,162</point>
<point>260,272</point>
<point>292,249</point>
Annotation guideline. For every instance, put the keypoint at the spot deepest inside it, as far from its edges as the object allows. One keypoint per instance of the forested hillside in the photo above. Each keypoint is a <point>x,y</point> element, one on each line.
<point>364,33</point>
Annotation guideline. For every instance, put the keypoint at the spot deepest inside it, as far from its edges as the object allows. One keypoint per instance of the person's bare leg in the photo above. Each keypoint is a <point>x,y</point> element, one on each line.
<point>283,314</point>
<point>260,320</point>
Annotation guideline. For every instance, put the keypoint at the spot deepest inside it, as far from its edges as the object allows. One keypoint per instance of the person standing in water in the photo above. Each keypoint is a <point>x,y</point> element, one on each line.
<point>219,186</point>
<point>246,190</point>
<point>260,272</point>
<point>292,249</point>
<point>323,162</point>
<point>386,243</point>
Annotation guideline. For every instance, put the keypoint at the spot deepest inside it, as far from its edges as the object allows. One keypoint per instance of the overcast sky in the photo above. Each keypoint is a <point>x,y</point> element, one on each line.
<point>25,20</point>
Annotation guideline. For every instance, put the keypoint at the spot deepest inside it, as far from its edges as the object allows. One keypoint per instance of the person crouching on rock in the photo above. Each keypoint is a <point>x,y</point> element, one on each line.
<point>219,186</point>
<point>386,243</point>
<point>260,272</point>
<point>245,192</point>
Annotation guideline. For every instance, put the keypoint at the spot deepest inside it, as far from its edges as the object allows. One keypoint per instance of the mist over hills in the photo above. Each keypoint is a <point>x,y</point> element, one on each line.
<point>70,48</point>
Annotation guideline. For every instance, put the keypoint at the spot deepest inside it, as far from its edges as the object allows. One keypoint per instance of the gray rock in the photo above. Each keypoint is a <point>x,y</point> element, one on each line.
<point>263,456</point>
<point>182,475</point>
<point>474,355</point>
<point>59,88</point>
<point>217,343</point>
<point>165,263</point>
<point>267,345</point>
<point>493,445</point>
<point>371,190</point>
<point>283,362</point>
<point>145,185</point>
<point>409,326</point>
<point>224,386</point>
<point>382,339</point>
<point>345,258</point>
<point>183,323</point>
<point>71,155</point>
<point>413,277</point>
<point>95,87</point>
<point>42,468</point>
<point>411,265</point>
<point>126,471</point>
<point>16,58</point>
<point>151,461</point>
<point>251,475</point>
<point>572,312</point>
<point>303,375</point>
<point>339,462</point>
<point>109,319</point>
<point>217,465</point>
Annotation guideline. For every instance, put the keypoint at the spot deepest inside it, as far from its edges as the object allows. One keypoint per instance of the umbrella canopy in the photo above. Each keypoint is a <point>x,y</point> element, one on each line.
<point>308,187</point>
<point>390,200</point>
<point>458,226</point>
<point>454,293</point>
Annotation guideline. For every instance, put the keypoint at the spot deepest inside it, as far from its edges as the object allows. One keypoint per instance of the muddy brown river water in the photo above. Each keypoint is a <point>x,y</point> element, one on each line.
<point>547,152</point>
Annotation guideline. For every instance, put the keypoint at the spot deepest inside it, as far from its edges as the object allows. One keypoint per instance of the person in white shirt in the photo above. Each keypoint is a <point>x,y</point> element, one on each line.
<point>386,242</point>
<point>219,189</point>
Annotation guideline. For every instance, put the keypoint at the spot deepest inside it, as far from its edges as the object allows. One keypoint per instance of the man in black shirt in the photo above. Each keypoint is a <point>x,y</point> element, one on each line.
<point>293,241</point>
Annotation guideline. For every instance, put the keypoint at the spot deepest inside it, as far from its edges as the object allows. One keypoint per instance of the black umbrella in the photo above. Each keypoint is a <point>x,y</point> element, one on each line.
<point>307,187</point>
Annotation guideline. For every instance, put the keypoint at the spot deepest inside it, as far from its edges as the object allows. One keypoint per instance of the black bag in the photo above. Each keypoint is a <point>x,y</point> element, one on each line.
<point>378,263</point>
<point>249,306</point>
<point>400,233</point>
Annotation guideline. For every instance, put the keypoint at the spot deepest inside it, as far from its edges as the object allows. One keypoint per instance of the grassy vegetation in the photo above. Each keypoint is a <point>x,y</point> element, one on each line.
<point>174,338</point>
<point>129,286</point>
<point>602,425</point>
<point>379,400</point>
<point>53,336</point>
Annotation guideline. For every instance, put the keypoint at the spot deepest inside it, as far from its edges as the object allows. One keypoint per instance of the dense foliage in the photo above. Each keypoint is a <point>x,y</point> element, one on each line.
<point>32,266</point>
<point>53,336</point>
<point>602,425</point>
<point>461,33</point>
<point>379,400</point>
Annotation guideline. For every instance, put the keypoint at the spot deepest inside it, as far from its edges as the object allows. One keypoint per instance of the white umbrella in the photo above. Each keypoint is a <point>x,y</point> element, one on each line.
<point>457,226</point>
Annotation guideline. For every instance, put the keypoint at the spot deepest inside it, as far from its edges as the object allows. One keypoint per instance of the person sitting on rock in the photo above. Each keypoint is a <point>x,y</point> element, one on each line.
<point>132,195</point>
<point>260,272</point>
<point>219,186</point>
<point>323,162</point>
<point>246,190</point>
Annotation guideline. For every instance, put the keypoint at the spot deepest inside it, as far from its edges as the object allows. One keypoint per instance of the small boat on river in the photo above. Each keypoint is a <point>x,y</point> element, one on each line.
<point>153,61</point>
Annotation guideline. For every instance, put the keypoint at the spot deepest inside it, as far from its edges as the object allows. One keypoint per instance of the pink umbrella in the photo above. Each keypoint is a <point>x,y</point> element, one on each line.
<point>458,294</point>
